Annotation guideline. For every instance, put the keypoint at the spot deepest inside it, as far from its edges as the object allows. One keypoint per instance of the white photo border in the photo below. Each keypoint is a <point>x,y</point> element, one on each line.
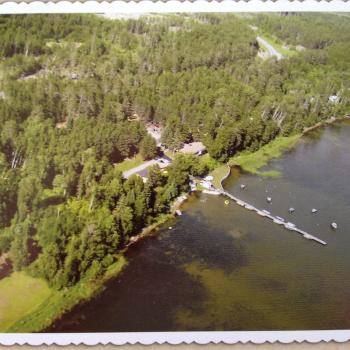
<point>172,6</point>
<point>147,338</point>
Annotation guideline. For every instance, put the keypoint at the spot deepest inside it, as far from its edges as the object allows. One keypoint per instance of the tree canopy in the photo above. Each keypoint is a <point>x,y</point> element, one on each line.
<point>70,86</point>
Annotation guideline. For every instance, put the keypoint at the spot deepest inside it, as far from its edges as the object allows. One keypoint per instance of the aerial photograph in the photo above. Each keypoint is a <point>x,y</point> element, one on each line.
<point>174,172</point>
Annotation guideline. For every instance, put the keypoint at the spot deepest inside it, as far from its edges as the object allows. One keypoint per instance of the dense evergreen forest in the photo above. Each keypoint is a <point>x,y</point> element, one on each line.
<point>69,85</point>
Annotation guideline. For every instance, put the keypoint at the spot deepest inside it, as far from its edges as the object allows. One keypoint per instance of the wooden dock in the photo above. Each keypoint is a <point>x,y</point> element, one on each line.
<point>288,226</point>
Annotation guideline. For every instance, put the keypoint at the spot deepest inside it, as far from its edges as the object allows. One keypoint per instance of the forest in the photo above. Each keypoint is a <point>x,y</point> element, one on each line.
<point>69,85</point>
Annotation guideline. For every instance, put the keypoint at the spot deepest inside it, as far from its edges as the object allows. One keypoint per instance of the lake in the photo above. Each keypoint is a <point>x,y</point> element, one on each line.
<point>222,267</point>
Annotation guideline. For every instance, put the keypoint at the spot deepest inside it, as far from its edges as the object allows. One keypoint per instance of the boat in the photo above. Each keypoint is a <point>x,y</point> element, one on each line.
<point>269,199</point>
<point>242,187</point>
<point>279,222</point>
<point>170,227</point>
<point>261,213</point>
<point>289,226</point>
<point>291,210</point>
<point>178,212</point>
<point>266,211</point>
<point>249,207</point>
<point>313,210</point>
<point>334,225</point>
<point>279,218</point>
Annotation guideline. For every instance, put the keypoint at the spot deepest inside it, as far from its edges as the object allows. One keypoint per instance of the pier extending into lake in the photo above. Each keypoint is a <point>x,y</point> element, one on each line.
<point>264,213</point>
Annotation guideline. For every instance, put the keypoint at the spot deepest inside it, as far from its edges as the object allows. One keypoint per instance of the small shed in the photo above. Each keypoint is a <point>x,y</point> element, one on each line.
<point>334,99</point>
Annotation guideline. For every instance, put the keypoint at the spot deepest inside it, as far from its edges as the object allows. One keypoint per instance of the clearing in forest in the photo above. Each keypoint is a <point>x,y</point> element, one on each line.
<point>19,295</point>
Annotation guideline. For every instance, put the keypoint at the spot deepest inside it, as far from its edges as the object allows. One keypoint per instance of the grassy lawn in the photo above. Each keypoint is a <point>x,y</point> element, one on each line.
<point>219,173</point>
<point>55,303</point>
<point>251,162</point>
<point>27,304</point>
<point>20,294</point>
<point>128,164</point>
<point>170,154</point>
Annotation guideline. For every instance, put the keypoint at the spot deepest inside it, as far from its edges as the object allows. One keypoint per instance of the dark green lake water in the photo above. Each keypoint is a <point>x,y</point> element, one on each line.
<point>223,267</point>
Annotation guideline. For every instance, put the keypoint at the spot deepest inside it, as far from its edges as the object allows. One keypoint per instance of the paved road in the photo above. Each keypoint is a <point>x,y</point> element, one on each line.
<point>163,162</point>
<point>271,50</point>
<point>139,168</point>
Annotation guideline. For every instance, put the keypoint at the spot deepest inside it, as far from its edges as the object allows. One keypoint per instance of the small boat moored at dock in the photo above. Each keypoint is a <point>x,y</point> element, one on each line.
<point>313,210</point>
<point>178,212</point>
<point>334,225</point>
<point>269,199</point>
<point>289,226</point>
<point>291,210</point>
<point>276,219</point>
<point>242,187</point>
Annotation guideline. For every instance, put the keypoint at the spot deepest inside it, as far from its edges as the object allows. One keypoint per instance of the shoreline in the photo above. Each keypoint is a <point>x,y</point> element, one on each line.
<point>63,301</point>
<point>225,177</point>
<point>325,122</point>
<point>275,153</point>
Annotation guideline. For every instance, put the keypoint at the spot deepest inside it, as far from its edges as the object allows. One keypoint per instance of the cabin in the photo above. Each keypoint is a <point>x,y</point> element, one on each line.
<point>62,125</point>
<point>196,148</point>
<point>134,117</point>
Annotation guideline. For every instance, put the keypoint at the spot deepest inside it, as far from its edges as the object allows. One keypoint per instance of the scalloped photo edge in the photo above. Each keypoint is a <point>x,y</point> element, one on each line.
<point>148,338</point>
<point>142,6</point>
<point>172,6</point>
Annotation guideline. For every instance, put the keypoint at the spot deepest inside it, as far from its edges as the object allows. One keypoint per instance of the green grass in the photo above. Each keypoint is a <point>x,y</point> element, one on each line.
<point>278,45</point>
<point>170,154</point>
<point>252,161</point>
<point>128,164</point>
<point>219,173</point>
<point>37,311</point>
<point>20,294</point>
